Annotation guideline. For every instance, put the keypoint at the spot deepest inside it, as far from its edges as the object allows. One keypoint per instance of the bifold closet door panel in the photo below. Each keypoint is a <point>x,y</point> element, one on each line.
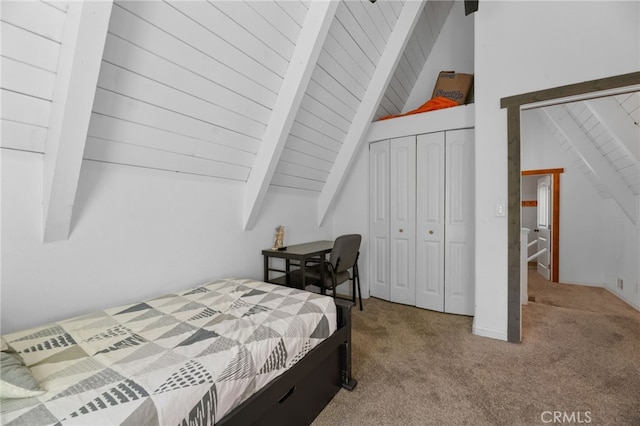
<point>421,206</point>
<point>430,233</point>
<point>402,211</point>
<point>379,219</point>
<point>459,225</point>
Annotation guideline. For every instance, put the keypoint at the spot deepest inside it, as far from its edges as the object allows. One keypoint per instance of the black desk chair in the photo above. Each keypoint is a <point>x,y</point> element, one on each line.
<point>344,257</point>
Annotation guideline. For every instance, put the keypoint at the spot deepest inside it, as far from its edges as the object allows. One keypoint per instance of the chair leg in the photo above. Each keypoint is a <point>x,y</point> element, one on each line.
<point>353,288</point>
<point>333,281</point>
<point>357,276</point>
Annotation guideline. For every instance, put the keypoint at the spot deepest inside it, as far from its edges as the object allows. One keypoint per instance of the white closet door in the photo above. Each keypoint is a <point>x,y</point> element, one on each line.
<point>459,228</point>
<point>402,219</point>
<point>430,221</point>
<point>379,220</point>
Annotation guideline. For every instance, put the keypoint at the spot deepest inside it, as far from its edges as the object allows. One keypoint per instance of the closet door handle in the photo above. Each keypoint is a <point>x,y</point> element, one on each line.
<point>431,232</point>
<point>401,230</point>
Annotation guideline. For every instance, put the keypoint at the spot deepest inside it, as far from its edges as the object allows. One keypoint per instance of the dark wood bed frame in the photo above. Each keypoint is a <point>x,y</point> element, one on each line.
<point>297,396</point>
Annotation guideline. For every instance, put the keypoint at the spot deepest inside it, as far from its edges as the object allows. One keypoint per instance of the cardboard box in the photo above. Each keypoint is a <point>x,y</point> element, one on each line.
<point>454,86</point>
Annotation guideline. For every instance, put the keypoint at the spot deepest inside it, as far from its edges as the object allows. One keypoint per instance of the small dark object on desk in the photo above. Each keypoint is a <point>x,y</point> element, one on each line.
<point>281,248</point>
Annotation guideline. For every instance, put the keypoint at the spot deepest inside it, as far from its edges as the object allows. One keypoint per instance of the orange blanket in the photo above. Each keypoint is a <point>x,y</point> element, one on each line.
<point>436,103</point>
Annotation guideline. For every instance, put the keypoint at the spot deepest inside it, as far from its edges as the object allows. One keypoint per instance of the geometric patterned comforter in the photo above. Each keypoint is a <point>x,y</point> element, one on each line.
<point>187,358</point>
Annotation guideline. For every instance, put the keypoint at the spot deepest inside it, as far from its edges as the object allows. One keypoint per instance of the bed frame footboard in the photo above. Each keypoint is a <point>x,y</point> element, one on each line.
<point>344,325</point>
<point>300,394</point>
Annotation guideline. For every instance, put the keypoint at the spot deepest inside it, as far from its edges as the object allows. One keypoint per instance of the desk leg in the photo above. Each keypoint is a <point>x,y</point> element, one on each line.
<point>287,277</point>
<point>266,268</point>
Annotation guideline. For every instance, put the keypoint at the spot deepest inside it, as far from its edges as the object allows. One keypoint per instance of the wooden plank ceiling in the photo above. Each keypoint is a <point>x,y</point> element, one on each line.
<point>602,136</point>
<point>191,86</point>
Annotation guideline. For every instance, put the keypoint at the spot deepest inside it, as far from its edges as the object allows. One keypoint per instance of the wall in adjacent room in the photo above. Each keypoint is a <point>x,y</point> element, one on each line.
<point>581,208</point>
<point>621,247</point>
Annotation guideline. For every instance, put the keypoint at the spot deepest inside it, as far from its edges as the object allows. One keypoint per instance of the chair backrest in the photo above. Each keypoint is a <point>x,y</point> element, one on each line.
<point>345,251</point>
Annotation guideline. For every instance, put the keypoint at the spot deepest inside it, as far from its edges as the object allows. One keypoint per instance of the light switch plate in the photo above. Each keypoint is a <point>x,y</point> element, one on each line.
<point>500,210</point>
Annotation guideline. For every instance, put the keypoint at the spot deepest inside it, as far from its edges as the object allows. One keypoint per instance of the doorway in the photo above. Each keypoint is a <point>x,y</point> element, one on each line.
<point>514,104</point>
<point>554,241</point>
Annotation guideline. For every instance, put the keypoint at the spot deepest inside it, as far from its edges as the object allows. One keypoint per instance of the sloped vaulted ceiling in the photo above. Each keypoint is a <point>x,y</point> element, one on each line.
<point>191,86</point>
<point>602,135</point>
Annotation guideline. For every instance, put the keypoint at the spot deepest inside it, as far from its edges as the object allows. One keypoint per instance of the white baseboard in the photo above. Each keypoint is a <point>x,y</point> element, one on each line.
<point>620,295</point>
<point>489,332</point>
<point>600,285</point>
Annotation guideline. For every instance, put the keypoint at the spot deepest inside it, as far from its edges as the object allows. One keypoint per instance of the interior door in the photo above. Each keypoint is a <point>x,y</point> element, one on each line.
<point>379,220</point>
<point>543,226</point>
<point>430,222</point>
<point>402,211</point>
<point>459,227</point>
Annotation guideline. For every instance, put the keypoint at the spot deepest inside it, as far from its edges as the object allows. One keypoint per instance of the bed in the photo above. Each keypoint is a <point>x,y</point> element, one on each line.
<point>228,352</point>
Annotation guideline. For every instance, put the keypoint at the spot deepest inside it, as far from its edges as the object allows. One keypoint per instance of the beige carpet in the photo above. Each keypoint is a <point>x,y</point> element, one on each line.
<point>580,357</point>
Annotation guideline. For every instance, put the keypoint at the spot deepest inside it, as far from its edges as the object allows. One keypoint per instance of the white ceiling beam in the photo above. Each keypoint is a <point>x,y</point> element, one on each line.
<point>583,146</point>
<point>83,39</point>
<point>573,155</point>
<point>305,55</point>
<point>358,130</point>
<point>620,124</point>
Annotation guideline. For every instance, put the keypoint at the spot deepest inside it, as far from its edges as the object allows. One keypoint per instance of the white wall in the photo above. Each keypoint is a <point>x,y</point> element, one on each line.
<point>350,213</point>
<point>453,51</point>
<point>522,47</point>
<point>581,209</point>
<point>621,253</point>
<point>136,233</point>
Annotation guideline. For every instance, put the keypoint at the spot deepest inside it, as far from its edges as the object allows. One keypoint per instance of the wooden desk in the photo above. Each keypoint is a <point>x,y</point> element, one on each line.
<point>299,253</point>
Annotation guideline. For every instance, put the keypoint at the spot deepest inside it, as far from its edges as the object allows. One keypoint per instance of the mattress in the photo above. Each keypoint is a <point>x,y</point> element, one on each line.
<point>184,358</point>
